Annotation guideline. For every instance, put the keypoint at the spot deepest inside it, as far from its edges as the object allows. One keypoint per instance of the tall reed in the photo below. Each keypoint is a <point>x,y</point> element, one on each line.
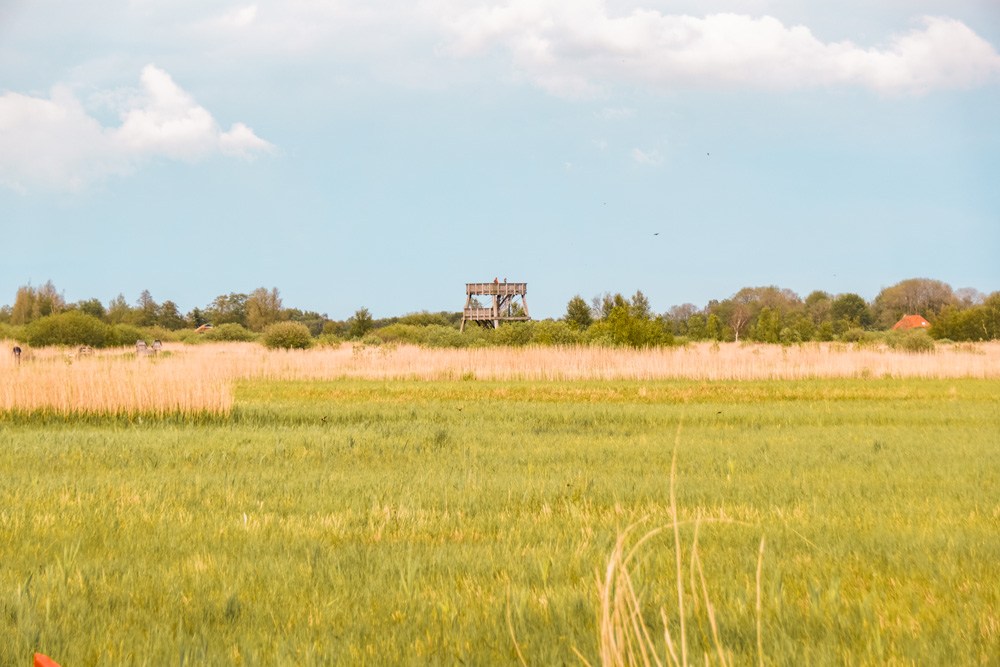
<point>200,378</point>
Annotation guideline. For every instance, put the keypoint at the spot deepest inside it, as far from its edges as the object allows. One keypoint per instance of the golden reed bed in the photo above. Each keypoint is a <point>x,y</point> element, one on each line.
<point>201,378</point>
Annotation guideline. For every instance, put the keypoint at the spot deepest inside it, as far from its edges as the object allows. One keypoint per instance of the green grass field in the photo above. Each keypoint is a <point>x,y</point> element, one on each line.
<point>403,523</point>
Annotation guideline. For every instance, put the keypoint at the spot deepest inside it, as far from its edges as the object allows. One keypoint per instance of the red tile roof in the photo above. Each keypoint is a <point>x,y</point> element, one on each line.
<point>911,322</point>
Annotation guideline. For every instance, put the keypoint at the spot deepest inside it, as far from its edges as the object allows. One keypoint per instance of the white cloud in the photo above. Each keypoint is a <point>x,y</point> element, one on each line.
<point>611,113</point>
<point>651,158</point>
<point>55,144</point>
<point>575,47</point>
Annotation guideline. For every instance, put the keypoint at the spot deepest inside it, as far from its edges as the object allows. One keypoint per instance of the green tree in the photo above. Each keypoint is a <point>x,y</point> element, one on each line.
<point>578,313</point>
<point>360,324</point>
<point>118,310</point>
<point>678,317</point>
<point>767,326</point>
<point>92,307</point>
<point>145,313</point>
<point>621,327</point>
<point>852,308</point>
<point>603,305</point>
<point>196,318</point>
<point>696,327</point>
<point>169,317</point>
<point>228,308</point>
<point>32,303</point>
<point>639,307</point>
<point>713,327</point>
<point>824,332</point>
<point>263,308</point>
<point>24,306</point>
<point>916,296</point>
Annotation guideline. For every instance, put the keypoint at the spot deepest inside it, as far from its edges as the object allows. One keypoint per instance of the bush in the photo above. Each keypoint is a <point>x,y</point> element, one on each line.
<point>787,336</point>
<point>853,335</point>
<point>329,340</point>
<point>8,332</point>
<point>123,335</point>
<point>230,332</point>
<point>436,335</point>
<point>404,333</point>
<point>620,328</point>
<point>513,334</point>
<point>547,332</point>
<point>287,335</point>
<point>162,334</point>
<point>917,341</point>
<point>69,328</point>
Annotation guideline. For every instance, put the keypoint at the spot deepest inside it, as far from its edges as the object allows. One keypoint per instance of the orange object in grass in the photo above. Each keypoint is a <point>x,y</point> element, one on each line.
<point>44,661</point>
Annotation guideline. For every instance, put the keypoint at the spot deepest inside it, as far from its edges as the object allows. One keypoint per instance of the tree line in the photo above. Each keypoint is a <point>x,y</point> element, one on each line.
<point>775,315</point>
<point>41,315</point>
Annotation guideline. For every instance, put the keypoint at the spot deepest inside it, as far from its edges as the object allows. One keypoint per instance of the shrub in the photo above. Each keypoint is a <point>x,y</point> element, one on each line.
<point>7,332</point>
<point>853,335</point>
<point>436,335</point>
<point>917,341</point>
<point>787,336</point>
<point>123,335</point>
<point>547,332</point>
<point>69,328</point>
<point>329,340</point>
<point>162,334</point>
<point>230,332</point>
<point>404,333</point>
<point>513,334</point>
<point>287,335</point>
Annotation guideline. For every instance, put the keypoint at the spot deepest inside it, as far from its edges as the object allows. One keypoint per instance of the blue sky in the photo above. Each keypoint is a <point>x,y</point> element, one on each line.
<point>382,154</point>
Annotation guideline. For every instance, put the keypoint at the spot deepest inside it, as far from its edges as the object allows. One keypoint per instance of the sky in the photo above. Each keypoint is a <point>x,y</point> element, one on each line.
<point>383,153</point>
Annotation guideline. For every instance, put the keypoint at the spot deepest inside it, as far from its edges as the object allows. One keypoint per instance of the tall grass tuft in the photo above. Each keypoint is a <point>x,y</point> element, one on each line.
<point>625,638</point>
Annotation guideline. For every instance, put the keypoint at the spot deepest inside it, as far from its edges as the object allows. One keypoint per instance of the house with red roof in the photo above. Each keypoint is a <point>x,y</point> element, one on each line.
<point>911,322</point>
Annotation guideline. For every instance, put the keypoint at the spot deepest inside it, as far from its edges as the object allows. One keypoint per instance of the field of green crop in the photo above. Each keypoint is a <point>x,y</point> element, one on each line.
<point>363,522</point>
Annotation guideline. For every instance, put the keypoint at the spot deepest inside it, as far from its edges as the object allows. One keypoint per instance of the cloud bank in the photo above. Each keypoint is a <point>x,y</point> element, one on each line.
<point>577,48</point>
<point>55,144</point>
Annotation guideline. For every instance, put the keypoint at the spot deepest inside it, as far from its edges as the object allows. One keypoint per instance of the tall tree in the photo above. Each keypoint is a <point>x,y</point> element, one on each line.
<point>263,308</point>
<point>145,313</point>
<point>852,308</point>
<point>361,323</point>
<point>118,310</point>
<point>24,305</point>
<point>169,317</point>
<point>92,307</point>
<point>228,308</point>
<point>640,306</point>
<point>916,296</point>
<point>578,313</point>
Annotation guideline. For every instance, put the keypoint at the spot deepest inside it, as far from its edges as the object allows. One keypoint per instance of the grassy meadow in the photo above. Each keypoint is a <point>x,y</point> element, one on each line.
<point>471,521</point>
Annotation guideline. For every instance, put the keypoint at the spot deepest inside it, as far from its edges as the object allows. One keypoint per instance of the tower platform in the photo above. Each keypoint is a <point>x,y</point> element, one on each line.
<point>502,302</point>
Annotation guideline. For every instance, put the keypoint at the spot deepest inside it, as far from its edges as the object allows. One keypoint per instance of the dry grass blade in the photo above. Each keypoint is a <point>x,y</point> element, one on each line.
<point>711,614</point>
<point>760,568</point>
<point>677,541</point>
<point>510,626</point>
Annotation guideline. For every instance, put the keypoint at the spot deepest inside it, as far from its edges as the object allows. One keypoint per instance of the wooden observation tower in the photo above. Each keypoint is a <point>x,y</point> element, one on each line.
<point>500,310</point>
